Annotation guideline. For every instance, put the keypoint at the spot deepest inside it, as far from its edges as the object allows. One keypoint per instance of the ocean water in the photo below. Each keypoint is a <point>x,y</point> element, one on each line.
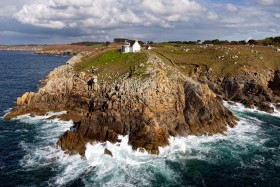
<point>249,155</point>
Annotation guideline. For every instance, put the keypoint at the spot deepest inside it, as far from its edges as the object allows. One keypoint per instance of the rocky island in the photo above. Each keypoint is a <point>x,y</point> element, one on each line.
<point>172,90</point>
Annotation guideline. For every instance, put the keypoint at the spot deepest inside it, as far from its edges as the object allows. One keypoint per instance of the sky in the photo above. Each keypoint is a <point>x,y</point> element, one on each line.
<point>67,21</point>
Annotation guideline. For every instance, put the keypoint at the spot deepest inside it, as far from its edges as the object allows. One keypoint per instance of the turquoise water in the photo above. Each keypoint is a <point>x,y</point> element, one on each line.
<point>248,156</point>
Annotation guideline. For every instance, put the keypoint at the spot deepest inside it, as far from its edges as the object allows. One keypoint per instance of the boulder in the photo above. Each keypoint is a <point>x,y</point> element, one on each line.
<point>108,152</point>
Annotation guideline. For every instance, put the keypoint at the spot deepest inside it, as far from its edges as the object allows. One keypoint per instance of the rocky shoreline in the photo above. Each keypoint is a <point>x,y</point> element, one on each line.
<point>149,110</point>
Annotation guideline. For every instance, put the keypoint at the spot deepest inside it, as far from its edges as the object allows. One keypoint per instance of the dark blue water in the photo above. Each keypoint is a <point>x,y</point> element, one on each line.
<point>248,156</point>
<point>19,72</point>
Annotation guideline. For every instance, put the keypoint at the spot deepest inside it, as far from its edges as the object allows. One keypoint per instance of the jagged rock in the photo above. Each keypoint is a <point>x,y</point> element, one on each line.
<point>72,143</point>
<point>108,152</point>
<point>274,85</point>
<point>247,91</point>
<point>266,107</point>
<point>163,108</point>
<point>204,112</point>
<point>149,110</point>
<point>60,90</point>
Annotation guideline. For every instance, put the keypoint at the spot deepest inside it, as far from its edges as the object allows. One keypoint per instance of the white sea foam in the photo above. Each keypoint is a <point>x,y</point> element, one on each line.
<point>128,167</point>
<point>241,108</point>
<point>276,111</point>
<point>6,112</point>
<point>37,119</point>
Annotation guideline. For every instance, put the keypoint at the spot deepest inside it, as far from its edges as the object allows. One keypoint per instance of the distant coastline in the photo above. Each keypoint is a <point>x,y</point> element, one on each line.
<point>65,49</point>
<point>21,48</point>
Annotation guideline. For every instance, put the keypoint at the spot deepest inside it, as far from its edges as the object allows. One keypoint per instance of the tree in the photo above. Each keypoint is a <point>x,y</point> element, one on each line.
<point>252,42</point>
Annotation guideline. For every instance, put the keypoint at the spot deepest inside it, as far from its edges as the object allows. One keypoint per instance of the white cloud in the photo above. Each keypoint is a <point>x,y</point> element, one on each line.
<point>267,2</point>
<point>161,20</point>
<point>7,11</point>
<point>212,16</point>
<point>106,14</point>
<point>277,15</point>
<point>232,8</point>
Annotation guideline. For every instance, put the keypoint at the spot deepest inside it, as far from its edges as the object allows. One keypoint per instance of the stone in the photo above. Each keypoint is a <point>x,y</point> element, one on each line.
<point>266,107</point>
<point>108,152</point>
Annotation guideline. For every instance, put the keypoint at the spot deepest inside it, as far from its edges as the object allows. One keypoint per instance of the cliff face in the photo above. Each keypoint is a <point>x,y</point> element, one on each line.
<point>165,103</point>
<point>60,90</point>
<point>251,89</point>
<point>274,84</point>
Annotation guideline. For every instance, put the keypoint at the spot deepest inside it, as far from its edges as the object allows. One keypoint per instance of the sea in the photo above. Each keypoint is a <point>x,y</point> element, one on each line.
<point>248,155</point>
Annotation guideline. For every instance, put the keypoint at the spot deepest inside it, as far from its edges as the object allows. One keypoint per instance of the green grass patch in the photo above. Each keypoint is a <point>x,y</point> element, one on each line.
<point>111,64</point>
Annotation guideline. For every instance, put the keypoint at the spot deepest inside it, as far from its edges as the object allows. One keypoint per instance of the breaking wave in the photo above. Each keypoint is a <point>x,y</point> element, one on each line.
<point>184,161</point>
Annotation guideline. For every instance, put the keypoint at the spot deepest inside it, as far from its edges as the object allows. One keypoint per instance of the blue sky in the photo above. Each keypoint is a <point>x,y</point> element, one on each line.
<point>66,21</point>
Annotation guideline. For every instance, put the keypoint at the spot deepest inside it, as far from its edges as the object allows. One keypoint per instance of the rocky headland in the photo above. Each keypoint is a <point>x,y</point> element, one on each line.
<point>150,102</point>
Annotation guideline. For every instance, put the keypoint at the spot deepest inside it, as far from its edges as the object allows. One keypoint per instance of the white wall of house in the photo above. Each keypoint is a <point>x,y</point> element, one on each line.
<point>136,47</point>
<point>126,49</point>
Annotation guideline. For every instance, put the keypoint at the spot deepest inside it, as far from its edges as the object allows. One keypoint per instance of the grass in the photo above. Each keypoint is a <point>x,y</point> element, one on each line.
<point>112,64</point>
<point>220,58</point>
<point>96,46</point>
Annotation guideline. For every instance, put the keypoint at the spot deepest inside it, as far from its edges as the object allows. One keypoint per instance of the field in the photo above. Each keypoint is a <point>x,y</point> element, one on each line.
<point>221,60</point>
<point>218,60</point>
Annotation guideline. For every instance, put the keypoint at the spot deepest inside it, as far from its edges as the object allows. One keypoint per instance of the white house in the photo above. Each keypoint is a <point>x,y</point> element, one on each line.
<point>131,46</point>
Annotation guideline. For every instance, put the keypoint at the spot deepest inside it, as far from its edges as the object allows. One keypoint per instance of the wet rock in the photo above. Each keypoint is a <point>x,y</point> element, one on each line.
<point>248,92</point>
<point>266,107</point>
<point>277,106</point>
<point>108,152</point>
<point>72,143</point>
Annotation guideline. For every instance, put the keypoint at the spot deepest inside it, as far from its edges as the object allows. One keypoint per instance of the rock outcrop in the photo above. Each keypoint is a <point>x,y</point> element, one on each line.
<point>251,89</point>
<point>150,110</point>
<point>274,84</point>
<point>204,110</point>
<point>250,92</point>
<point>61,90</point>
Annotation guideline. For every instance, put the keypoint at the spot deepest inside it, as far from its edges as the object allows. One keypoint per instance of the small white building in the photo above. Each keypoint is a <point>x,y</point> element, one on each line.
<point>131,46</point>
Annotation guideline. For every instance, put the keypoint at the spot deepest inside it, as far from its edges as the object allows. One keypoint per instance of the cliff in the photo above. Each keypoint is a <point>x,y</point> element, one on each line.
<point>153,95</point>
<point>245,74</point>
<point>151,102</point>
<point>60,90</point>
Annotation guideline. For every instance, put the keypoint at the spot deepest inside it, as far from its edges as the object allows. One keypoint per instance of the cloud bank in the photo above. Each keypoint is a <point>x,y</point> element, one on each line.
<point>106,14</point>
<point>72,20</point>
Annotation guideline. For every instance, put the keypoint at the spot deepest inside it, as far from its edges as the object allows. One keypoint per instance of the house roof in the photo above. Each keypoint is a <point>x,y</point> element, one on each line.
<point>126,43</point>
<point>132,42</point>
